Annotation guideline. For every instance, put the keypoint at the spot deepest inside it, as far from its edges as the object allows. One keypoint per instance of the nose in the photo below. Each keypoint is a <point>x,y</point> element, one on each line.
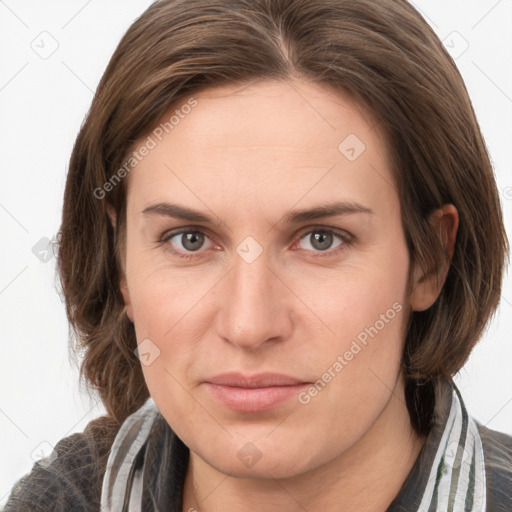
<point>254,304</point>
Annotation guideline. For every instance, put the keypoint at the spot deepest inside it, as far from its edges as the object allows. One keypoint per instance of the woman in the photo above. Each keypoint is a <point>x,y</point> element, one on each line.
<point>281,238</point>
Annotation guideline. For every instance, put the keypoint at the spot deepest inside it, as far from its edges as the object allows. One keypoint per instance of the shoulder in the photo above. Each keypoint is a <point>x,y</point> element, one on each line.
<point>71,478</point>
<point>497,447</point>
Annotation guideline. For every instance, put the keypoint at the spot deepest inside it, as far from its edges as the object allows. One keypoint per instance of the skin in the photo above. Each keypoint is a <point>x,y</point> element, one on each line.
<point>247,155</point>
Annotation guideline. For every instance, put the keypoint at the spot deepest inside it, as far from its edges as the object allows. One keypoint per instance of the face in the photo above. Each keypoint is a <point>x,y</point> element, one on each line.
<point>263,287</point>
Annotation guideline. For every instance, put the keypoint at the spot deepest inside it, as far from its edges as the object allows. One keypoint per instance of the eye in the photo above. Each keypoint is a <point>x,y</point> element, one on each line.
<point>189,241</point>
<point>321,240</point>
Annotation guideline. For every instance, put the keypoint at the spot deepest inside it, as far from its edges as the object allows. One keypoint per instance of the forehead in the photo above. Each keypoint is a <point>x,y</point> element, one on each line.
<point>281,116</point>
<point>265,139</point>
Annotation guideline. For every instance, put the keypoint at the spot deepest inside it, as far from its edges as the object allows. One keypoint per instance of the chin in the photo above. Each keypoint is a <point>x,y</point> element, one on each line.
<point>278,466</point>
<point>261,457</point>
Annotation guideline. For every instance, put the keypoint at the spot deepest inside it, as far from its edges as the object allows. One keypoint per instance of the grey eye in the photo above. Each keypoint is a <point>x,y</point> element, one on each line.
<point>190,240</point>
<point>320,240</point>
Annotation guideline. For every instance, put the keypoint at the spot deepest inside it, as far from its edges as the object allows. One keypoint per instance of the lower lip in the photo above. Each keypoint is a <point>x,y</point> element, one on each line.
<point>253,399</point>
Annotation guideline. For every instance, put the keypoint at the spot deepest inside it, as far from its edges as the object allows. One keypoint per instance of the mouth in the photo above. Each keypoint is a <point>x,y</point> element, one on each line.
<point>253,393</point>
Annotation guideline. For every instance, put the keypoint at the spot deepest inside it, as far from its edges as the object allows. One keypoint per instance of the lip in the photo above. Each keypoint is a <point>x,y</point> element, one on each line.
<point>253,393</point>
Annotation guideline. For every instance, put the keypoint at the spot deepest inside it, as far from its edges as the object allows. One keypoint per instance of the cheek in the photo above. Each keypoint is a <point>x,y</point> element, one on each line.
<point>365,308</point>
<point>162,297</point>
<point>160,315</point>
<point>167,319</point>
<point>357,369</point>
<point>369,295</point>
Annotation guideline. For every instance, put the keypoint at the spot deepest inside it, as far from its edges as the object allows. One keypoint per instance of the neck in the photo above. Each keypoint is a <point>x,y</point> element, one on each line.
<point>365,478</point>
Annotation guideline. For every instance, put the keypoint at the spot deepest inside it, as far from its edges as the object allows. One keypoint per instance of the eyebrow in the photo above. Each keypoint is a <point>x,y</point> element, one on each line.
<point>338,208</point>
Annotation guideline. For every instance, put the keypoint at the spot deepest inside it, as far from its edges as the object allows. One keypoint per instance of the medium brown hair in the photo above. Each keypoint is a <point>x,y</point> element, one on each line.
<point>382,54</point>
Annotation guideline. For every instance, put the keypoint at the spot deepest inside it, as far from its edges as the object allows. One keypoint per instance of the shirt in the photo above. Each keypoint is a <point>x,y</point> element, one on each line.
<point>462,467</point>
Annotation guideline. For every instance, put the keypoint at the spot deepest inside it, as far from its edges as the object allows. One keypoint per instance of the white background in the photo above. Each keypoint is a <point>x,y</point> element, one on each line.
<point>42,104</point>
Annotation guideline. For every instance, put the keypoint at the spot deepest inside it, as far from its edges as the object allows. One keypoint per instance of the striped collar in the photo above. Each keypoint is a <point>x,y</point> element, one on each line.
<point>448,475</point>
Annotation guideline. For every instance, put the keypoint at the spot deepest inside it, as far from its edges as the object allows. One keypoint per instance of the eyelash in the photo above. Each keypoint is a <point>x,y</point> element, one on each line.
<point>345,237</point>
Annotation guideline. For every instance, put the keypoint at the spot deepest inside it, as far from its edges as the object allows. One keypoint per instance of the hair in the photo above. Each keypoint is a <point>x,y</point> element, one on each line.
<point>385,57</point>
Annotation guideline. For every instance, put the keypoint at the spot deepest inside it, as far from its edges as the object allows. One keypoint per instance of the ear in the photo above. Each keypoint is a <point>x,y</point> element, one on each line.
<point>126,297</point>
<point>426,288</point>
<point>123,285</point>
<point>112,215</point>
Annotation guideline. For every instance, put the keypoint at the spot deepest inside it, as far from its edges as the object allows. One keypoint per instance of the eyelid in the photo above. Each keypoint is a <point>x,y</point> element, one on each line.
<point>171,233</point>
<point>342,233</point>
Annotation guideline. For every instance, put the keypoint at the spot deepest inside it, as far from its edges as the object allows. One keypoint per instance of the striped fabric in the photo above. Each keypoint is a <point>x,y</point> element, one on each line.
<point>457,478</point>
<point>122,482</point>
<point>448,476</point>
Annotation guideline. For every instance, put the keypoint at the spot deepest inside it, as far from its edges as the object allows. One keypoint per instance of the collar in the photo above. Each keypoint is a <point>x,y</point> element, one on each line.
<point>449,473</point>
